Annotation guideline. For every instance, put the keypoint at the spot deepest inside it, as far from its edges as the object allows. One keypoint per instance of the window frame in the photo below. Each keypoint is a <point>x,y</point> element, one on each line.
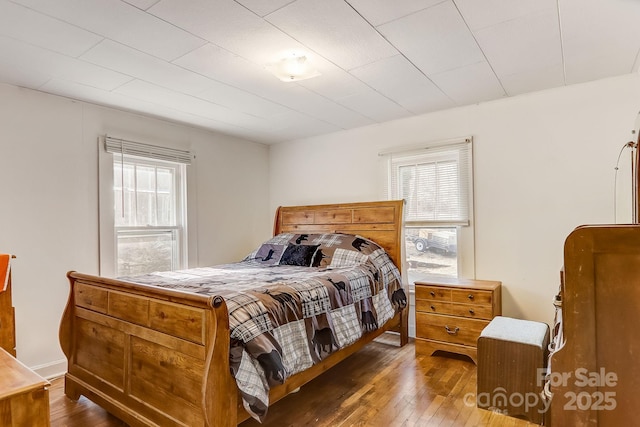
<point>186,248</point>
<point>465,228</point>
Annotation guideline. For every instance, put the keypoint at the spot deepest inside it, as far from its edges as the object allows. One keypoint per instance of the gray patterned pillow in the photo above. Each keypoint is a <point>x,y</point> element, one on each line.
<point>269,254</point>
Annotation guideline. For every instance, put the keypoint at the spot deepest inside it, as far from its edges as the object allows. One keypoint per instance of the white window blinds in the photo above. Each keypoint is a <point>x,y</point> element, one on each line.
<point>435,182</point>
<point>139,149</point>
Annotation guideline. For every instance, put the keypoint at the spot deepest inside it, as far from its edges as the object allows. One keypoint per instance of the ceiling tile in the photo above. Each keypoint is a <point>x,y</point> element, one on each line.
<point>335,83</point>
<point>142,4</point>
<point>115,56</point>
<point>17,75</point>
<point>298,131</point>
<point>221,65</point>
<point>121,22</point>
<point>580,69</point>
<point>188,104</point>
<point>229,25</point>
<point>533,79</point>
<point>373,105</point>
<point>481,14</point>
<point>31,27</point>
<point>378,12</point>
<point>435,39</point>
<point>97,96</point>
<point>295,122</point>
<point>235,71</point>
<point>470,84</point>
<point>30,57</point>
<point>303,100</point>
<point>413,90</point>
<point>600,38</point>
<point>514,46</point>
<point>336,32</point>
<point>134,105</point>
<point>264,7</point>
<point>245,102</point>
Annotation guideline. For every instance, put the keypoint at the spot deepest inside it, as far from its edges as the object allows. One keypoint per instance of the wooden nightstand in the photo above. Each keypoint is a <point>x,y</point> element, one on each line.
<point>451,313</point>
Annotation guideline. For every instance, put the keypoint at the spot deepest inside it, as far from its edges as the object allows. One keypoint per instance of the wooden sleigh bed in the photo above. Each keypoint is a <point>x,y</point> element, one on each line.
<point>157,356</point>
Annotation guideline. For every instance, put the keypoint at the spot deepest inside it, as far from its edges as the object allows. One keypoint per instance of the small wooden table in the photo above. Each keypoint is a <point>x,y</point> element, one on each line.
<point>24,395</point>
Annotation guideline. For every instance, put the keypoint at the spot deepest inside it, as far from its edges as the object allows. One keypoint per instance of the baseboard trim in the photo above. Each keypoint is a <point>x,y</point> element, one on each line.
<point>51,370</point>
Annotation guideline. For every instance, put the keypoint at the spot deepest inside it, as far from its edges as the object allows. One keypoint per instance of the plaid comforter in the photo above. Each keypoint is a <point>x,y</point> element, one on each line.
<point>293,301</point>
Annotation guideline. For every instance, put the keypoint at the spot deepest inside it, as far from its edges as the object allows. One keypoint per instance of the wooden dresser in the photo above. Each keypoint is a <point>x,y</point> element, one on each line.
<point>24,395</point>
<point>594,367</point>
<point>451,313</point>
<point>7,319</point>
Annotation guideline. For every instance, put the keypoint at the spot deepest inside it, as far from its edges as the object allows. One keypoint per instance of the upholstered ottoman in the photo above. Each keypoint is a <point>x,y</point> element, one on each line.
<point>512,355</point>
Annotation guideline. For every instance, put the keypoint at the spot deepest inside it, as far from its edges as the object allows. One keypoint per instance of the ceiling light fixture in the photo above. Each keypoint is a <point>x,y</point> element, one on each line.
<point>294,66</point>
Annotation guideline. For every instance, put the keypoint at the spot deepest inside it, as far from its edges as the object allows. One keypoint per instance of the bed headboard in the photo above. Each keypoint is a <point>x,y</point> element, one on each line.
<point>378,221</point>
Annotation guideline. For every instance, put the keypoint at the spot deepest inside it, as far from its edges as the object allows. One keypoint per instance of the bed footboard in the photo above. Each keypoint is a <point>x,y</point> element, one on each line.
<point>150,356</point>
<point>157,357</point>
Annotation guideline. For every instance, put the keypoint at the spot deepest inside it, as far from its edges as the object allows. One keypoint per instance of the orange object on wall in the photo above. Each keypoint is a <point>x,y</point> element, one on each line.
<point>5,268</point>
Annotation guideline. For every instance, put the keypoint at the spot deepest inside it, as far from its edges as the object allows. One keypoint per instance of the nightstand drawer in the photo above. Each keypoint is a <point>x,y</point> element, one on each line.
<point>433,306</point>
<point>436,293</point>
<point>471,310</point>
<point>471,296</point>
<point>453,309</point>
<point>449,329</point>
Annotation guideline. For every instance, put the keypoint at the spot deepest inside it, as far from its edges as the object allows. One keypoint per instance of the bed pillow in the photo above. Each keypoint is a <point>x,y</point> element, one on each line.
<point>316,250</point>
<point>347,258</point>
<point>334,249</point>
<point>269,254</point>
<point>300,255</point>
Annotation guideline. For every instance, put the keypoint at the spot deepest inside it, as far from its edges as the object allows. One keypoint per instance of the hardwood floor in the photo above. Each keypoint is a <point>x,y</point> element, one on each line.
<point>381,385</point>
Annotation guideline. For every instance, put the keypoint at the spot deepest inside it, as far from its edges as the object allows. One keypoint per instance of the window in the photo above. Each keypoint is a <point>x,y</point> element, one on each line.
<point>143,223</point>
<point>436,184</point>
<point>148,215</point>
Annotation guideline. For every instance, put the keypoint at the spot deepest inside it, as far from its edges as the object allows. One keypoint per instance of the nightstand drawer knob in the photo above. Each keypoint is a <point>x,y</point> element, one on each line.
<point>470,296</point>
<point>450,331</point>
<point>471,311</point>
<point>433,294</point>
<point>433,307</point>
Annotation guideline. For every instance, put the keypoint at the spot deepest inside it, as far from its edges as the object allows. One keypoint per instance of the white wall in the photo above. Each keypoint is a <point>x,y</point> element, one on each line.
<point>543,164</point>
<point>49,208</point>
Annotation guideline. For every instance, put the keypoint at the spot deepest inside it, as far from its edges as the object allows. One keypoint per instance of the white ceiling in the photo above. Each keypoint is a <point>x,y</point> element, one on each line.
<point>202,62</point>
